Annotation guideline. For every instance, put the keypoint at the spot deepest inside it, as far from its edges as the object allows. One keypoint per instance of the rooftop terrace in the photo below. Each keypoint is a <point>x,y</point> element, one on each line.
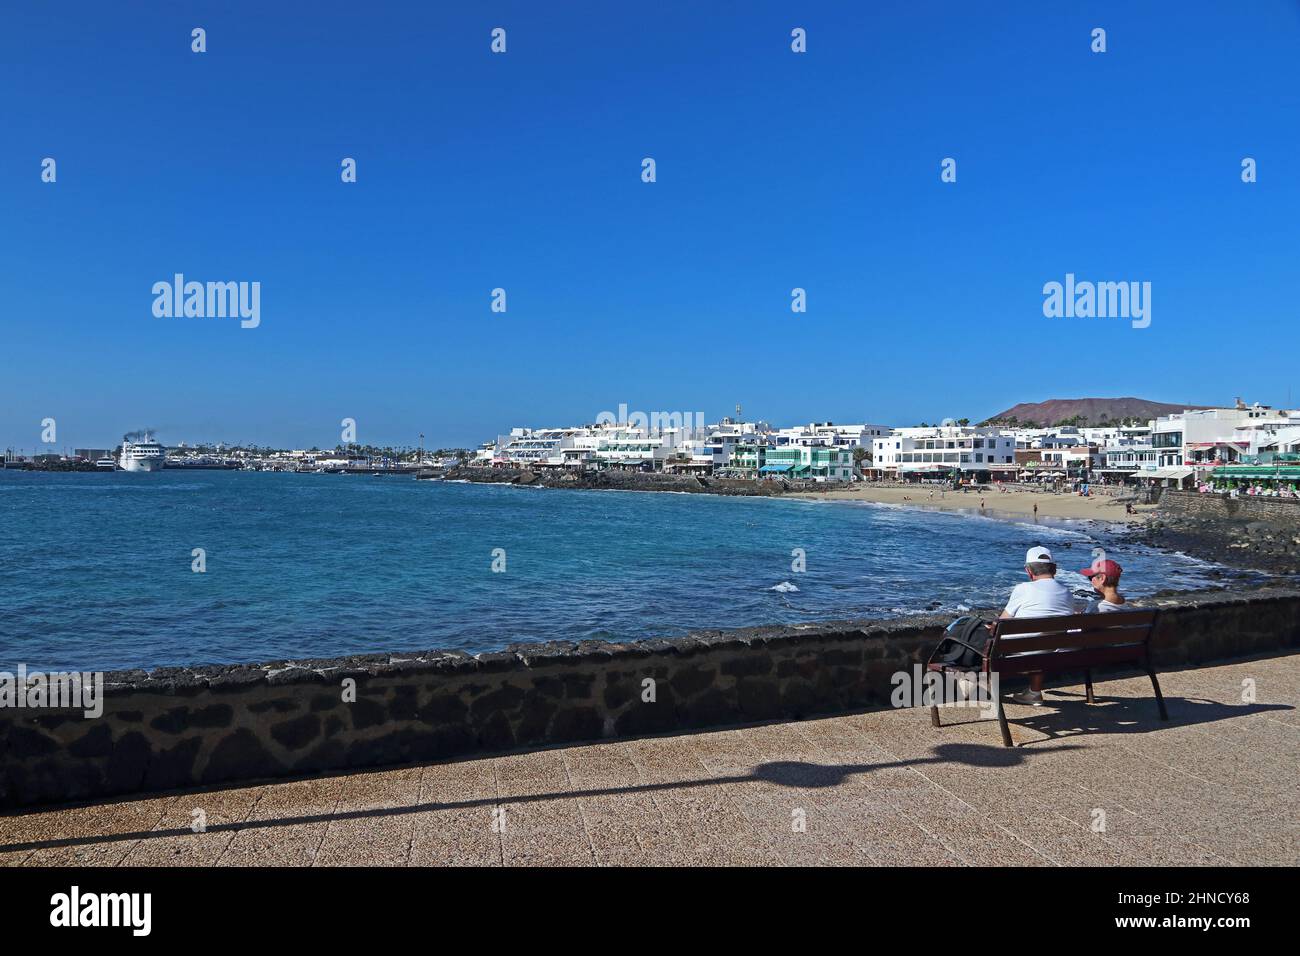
<point>1215,785</point>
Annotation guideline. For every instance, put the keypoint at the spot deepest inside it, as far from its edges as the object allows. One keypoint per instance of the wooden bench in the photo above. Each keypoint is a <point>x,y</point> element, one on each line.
<point>1051,645</point>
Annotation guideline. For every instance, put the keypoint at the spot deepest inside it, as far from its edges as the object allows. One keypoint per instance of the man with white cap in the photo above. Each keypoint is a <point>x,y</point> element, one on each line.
<point>1041,596</point>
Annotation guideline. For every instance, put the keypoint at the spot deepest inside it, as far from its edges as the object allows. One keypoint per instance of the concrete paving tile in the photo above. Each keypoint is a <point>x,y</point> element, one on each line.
<point>937,800</point>
<point>621,817</point>
<point>104,832</point>
<point>541,832</point>
<point>541,824</point>
<point>273,838</point>
<point>792,826</point>
<point>175,842</point>
<point>702,825</point>
<point>877,827</point>
<point>363,830</point>
<point>616,824</point>
<point>459,829</point>
<point>1036,784</point>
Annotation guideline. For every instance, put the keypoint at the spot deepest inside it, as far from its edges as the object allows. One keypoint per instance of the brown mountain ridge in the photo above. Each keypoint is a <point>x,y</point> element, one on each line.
<point>1086,412</point>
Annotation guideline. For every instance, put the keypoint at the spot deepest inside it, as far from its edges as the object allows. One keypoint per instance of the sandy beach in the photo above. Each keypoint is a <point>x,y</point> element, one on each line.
<point>1018,504</point>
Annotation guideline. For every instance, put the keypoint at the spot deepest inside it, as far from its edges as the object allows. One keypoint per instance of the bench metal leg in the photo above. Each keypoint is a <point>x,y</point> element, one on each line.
<point>935,699</point>
<point>1087,677</point>
<point>1002,724</point>
<point>1155,684</point>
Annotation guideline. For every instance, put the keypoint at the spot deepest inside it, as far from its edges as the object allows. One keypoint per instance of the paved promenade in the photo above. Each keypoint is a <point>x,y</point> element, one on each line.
<point>1215,785</point>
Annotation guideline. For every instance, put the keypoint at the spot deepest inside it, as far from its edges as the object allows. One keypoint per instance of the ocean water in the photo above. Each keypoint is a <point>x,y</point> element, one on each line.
<point>95,569</point>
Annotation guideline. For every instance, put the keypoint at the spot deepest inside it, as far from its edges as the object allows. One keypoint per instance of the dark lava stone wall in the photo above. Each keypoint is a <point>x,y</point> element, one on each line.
<point>174,728</point>
<point>1246,508</point>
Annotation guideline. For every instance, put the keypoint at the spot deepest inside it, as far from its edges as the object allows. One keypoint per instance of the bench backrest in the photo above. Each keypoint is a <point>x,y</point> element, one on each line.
<point>1084,638</point>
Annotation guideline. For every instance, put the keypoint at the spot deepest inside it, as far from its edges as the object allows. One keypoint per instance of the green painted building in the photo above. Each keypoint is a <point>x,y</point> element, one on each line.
<point>748,458</point>
<point>809,463</point>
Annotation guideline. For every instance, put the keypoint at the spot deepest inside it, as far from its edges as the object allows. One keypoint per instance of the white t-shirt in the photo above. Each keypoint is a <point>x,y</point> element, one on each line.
<point>1099,606</point>
<point>1046,597</point>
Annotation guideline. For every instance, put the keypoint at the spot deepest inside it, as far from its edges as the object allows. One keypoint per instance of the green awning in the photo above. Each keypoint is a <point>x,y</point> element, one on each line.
<point>1282,474</point>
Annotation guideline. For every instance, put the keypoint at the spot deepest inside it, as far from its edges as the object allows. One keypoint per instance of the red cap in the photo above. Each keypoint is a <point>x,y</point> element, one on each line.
<point>1108,568</point>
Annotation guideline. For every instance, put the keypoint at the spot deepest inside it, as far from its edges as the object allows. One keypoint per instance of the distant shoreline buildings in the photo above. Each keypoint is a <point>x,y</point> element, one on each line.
<point>1223,448</point>
<point>1186,449</point>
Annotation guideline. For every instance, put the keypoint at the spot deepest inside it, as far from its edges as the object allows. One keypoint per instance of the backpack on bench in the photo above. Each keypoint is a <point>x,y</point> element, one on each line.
<point>964,643</point>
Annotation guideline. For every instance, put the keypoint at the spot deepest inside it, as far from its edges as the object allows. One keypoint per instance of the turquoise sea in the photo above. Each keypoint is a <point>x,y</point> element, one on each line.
<point>96,569</point>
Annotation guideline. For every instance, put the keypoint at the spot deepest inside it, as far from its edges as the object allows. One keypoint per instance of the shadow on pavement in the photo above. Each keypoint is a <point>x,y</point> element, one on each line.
<point>779,773</point>
<point>1072,716</point>
<point>1066,715</point>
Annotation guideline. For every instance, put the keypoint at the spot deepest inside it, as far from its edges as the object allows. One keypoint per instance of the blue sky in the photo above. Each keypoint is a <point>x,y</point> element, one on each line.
<point>522,171</point>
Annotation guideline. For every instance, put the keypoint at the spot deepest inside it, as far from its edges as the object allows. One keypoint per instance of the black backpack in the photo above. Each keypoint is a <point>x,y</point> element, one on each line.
<point>966,630</point>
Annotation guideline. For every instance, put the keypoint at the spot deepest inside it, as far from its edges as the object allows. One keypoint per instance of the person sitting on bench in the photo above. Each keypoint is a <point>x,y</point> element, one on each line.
<point>1041,596</point>
<point>1104,575</point>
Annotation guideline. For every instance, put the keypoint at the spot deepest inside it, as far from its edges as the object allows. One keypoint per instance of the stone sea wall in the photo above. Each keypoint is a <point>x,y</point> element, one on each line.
<point>1245,508</point>
<point>175,728</point>
<point>1250,532</point>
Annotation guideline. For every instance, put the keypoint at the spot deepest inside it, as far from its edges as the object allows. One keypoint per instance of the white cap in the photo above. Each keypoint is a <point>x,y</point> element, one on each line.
<point>1034,555</point>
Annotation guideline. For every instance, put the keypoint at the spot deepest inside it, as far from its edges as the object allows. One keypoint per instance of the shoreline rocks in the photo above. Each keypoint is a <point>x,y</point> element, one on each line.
<point>633,481</point>
<point>1261,535</point>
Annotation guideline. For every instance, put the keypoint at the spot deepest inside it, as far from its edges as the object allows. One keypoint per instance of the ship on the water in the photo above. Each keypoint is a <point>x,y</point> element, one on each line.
<point>143,455</point>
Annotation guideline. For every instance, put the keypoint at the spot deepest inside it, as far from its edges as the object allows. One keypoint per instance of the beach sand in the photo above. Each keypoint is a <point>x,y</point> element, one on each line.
<point>1018,504</point>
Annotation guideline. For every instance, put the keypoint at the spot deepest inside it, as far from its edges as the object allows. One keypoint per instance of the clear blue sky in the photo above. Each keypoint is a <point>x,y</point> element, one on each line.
<point>522,170</point>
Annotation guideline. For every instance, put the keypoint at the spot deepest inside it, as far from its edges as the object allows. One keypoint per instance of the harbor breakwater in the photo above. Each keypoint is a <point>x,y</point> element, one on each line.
<point>613,480</point>
<point>186,727</point>
<point>1252,532</point>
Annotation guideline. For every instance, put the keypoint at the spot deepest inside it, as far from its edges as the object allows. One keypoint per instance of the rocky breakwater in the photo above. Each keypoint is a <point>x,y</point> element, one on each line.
<point>1257,533</point>
<point>632,481</point>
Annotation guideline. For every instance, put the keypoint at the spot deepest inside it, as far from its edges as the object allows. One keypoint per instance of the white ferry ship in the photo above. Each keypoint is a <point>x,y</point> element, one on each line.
<point>145,455</point>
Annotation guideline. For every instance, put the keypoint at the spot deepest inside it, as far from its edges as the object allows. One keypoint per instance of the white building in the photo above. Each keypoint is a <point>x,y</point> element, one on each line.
<point>1126,456</point>
<point>1189,444</point>
<point>634,451</point>
<point>1220,436</point>
<point>1205,438</point>
<point>828,433</point>
<point>1265,433</point>
<point>1281,441</point>
<point>1167,440</point>
<point>720,440</point>
<point>1058,436</point>
<point>1116,435</point>
<point>939,450</point>
<point>534,447</point>
<point>603,445</point>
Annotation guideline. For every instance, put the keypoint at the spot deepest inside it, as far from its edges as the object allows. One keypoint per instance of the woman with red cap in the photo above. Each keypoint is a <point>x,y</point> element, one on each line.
<point>1104,575</point>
